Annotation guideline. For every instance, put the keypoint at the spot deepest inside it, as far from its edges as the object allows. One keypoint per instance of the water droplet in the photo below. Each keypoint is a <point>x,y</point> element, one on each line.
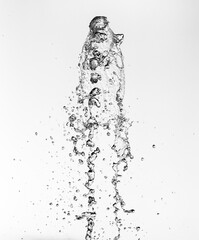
<point>138,228</point>
<point>72,118</point>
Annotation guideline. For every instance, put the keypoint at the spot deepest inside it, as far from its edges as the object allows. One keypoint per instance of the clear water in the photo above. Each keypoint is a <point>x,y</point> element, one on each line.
<point>99,107</point>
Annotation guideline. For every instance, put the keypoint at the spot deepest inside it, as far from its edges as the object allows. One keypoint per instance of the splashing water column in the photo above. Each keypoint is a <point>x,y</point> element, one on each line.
<point>100,96</point>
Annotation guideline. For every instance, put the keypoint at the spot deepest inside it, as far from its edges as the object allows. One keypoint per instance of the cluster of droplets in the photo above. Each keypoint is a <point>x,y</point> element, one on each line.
<point>122,150</point>
<point>87,134</point>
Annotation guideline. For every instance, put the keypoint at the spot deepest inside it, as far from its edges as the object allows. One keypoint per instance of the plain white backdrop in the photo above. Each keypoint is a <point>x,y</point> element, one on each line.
<point>40,42</point>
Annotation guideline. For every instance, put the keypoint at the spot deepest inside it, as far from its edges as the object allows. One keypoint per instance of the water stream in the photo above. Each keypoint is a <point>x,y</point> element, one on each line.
<point>99,107</point>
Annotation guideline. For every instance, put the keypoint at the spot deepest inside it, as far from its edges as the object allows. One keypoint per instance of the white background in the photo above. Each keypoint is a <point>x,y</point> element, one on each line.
<point>40,42</point>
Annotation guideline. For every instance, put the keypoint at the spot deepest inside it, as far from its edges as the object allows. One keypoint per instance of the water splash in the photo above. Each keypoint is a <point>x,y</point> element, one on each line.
<point>99,105</point>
